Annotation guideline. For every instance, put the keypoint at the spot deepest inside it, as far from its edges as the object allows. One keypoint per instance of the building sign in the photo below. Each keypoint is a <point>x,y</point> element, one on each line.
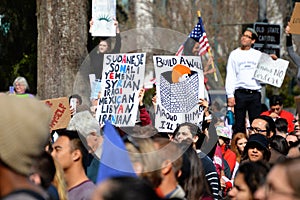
<point>268,40</point>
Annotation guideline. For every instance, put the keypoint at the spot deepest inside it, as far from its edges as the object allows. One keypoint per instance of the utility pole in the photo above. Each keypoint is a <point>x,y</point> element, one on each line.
<point>262,11</point>
<point>262,17</point>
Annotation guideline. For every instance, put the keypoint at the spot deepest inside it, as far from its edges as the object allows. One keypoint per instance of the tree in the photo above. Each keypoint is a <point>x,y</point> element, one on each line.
<point>62,45</point>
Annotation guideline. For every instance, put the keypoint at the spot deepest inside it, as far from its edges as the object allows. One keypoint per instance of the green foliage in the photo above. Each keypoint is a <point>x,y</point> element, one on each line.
<point>148,96</point>
<point>26,67</point>
<point>18,35</point>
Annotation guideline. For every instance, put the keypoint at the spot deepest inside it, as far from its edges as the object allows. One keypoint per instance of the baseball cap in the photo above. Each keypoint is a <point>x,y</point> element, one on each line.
<point>254,33</point>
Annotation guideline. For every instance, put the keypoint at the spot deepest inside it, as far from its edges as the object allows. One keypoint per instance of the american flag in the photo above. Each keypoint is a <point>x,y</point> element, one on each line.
<point>199,35</point>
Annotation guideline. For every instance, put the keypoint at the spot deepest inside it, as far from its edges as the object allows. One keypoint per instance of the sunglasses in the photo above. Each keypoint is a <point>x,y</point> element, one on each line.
<point>256,145</point>
<point>256,130</point>
<point>276,109</point>
<point>247,36</point>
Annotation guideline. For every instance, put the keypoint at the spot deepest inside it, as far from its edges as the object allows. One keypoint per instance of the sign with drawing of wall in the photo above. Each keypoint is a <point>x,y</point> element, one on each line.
<point>180,84</point>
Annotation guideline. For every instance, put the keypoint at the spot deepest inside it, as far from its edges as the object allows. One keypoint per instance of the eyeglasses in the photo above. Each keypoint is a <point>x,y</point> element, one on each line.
<point>247,36</point>
<point>19,85</point>
<point>277,109</point>
<point>256,130</point>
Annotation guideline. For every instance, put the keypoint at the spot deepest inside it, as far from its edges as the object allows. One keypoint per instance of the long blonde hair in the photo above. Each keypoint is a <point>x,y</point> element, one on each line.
<point>59,181</point>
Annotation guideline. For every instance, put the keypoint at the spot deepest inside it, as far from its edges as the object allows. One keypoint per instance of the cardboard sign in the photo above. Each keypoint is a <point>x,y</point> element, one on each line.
<point>122,79</point>
<point>60,109</point>
<point>103,14</point>
<point>271,71</point>
<point>179,85</point>
<point>295,20</point>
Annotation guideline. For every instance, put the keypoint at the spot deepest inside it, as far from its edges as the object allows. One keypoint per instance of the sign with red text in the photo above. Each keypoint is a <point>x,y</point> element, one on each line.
<point>271,71</point>
<point>60,109</point>
<point>179,85</point>
<point>295,20</point>
<point>122,80</point>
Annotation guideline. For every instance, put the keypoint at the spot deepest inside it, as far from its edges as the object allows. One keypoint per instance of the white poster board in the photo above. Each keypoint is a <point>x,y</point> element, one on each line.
<point>103,14</point>
<point>179,85</point>
<point>271,71</point>
<point>122,79</point>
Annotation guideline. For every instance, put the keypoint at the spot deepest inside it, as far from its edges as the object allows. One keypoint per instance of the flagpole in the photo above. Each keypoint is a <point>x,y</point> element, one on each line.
<point>210,54</point>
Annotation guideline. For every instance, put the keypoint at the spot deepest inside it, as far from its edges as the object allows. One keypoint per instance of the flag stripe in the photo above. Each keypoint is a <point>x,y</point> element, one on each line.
<point>199,35</point>
<point>179,51</point>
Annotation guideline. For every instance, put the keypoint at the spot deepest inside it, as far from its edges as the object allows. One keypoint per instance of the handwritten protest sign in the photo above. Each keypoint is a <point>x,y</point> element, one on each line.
<point>295,20</point>
<point>271,71</point>
<point>180,84</point>
<point>122,79</point>
<point>60,109</point>
<point>95,86</point>
<point>103,14</point>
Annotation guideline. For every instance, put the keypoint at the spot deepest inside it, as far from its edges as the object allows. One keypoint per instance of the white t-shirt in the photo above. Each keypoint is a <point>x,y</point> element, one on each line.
<point>241,67</point>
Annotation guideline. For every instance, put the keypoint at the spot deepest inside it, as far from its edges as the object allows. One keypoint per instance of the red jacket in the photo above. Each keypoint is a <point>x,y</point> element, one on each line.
<point>230,157</point>
<point>144,116</point>
<point>286,115</point>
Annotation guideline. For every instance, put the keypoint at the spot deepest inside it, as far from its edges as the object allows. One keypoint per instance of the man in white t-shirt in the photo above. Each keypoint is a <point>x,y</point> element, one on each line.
<point>243,91</point>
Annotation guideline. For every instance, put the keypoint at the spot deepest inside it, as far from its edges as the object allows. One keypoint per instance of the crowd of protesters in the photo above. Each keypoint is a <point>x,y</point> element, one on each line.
<point>257,157</point>
<point>245,165</point>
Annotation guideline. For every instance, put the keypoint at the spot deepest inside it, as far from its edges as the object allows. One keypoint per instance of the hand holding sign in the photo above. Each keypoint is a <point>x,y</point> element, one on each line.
<point>271,71</point>
<point>141,96</point>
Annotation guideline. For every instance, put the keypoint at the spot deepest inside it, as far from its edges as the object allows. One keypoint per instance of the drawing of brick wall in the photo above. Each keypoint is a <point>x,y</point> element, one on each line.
<point>164,92</point>
<point>179,97</point>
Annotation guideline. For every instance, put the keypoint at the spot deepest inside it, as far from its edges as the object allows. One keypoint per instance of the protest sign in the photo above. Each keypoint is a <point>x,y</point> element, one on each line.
<point>122,79</point>
<point>92,78</point>
<point>96,85</point>
<point>295,20</point>
<point>179,85</point>
<point>103,14</point>
<point>60,109</point>
<point>271,71</point>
